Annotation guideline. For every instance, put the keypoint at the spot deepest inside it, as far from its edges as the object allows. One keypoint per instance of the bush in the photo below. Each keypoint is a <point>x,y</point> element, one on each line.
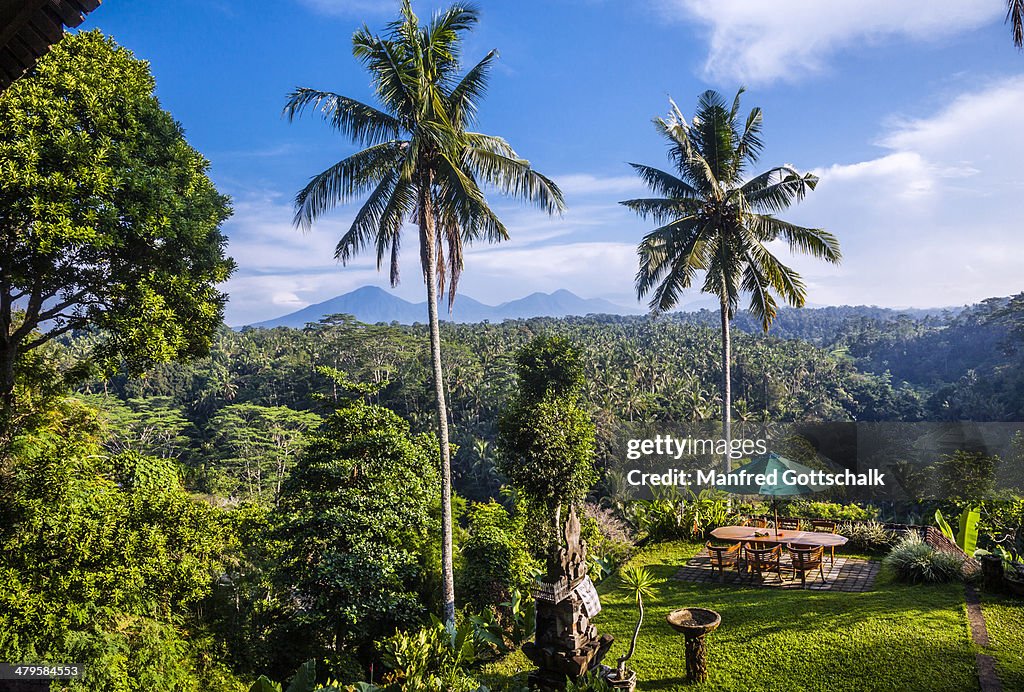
<point>507,632</point>
<point>835,511</point>
<point>999,519</point>
<point>608,541</point>
<point>591,682</point>
<point>545,434</point>
<point>914,561</point>
<point>868,537</point>
<point>354,522</point>
<point>430,660</point>
<point>497,560</point>
<point>105,572</point>
<point>671,515</point>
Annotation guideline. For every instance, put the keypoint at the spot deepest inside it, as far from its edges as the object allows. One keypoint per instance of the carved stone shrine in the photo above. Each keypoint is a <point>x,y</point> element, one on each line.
<point>566,644</point>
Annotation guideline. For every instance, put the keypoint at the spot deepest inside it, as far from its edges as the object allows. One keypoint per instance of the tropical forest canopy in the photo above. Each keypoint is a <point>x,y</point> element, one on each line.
<point>250,400</point>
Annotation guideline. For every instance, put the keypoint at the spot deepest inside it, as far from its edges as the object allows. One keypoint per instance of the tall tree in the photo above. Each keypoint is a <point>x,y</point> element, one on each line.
<point>545,434</point>
<point>715,219</point>
<point>107,216</point>
<point>421,164</point>
<point>354,515</point>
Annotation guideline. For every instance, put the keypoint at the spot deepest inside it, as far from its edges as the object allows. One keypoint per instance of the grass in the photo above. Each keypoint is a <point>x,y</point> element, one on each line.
<point>1003,617</point>
<point>895,637</point>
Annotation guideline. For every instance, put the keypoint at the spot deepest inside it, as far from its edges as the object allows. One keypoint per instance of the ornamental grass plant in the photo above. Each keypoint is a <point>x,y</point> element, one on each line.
<point>914,561</point>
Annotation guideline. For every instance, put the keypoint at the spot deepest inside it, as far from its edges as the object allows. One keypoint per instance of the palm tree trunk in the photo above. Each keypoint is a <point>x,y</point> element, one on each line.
<point>726,385</point>
<point>427,240</point>
<point>8,354</point>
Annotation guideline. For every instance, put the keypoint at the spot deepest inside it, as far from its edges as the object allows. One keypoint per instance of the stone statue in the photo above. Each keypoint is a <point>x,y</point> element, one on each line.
<point>566,644</point>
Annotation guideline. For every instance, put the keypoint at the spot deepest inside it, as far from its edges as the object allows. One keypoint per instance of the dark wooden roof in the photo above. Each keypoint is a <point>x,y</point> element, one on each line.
<point>29,27</point>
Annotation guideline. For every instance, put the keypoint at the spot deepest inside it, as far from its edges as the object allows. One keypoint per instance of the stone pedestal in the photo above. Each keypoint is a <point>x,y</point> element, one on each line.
<point>695,624</point>
<point>992,572</point>
<point>696,659</point>
<point>567,644</point>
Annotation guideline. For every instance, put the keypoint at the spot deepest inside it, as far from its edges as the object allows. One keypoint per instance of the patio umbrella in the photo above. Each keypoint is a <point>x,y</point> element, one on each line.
<point>764,476</point>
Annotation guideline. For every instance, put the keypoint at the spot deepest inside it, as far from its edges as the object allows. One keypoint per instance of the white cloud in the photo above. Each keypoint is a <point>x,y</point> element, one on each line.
<point>935,220</point>
<point>754,41</point>
<point>584,184</point>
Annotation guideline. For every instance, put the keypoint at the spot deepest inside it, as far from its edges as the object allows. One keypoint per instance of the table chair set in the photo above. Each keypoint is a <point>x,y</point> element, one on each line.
<point>763,561</point>
<point>756,550</point>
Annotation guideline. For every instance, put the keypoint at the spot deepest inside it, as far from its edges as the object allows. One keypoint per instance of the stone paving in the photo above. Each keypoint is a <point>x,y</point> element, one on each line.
<point>988,678</point>
<point>852,575</point>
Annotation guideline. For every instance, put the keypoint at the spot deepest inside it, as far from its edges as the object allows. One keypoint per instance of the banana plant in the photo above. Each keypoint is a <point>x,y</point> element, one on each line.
<point>521,624</point>
<point>966,535</point>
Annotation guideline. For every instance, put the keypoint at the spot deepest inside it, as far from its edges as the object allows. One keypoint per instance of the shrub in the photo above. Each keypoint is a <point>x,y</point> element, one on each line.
<point>832,510</point>
<point>591,682</point>
<point>517,623</point>
<point>354,522</point>
<point>105,572</point>
<point>545,434</point>
<point>497,560</point>
<point>914,561</point>
<point>868,537</point>
<point>999,518</point>
<point>430,660</point>
<point>669,514</point>
<point>608,541</point>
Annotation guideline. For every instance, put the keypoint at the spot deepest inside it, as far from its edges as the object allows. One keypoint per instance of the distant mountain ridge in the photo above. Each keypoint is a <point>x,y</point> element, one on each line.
<point>371,305</point>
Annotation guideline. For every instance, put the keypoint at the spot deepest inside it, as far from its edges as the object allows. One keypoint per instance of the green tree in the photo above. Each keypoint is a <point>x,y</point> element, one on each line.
<point>258,446</point>
<point>354,516</point>
<point>497,559</point>
<point>422,164</point>
<point>545,435</point>
<point>152,426</point>
<point>107,216</point>
<point>966,478</point>
<point>715,219</point>
<point>103,561</point>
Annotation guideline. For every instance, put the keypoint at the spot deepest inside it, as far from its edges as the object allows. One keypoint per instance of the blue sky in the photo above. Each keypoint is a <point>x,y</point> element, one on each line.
<point>910,112</point>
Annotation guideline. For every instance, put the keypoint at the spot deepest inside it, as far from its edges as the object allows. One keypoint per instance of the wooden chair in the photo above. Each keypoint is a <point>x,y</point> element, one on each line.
<point>756,522</point>
<point>807,558</point>
<point>761,560</point>
<point>826,526</point>
<point>789,524</point>
<point>723,556</point>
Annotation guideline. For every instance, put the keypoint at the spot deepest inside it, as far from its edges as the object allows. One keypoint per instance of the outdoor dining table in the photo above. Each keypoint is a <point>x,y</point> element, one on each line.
<point>748,534</point>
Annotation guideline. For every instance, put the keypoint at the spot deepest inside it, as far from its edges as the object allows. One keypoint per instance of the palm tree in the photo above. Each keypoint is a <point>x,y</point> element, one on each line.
<point>716,220</point>
<point>422,164</point>
<point>1015,18</point>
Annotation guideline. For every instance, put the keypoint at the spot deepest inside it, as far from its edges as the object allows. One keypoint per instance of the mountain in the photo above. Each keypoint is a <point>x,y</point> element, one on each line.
<point>372,305</point>
<point>558,304</point>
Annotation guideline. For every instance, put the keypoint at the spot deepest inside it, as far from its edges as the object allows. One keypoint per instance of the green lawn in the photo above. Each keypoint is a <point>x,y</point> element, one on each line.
<point>1005,620</point>
<point>893,638</point>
